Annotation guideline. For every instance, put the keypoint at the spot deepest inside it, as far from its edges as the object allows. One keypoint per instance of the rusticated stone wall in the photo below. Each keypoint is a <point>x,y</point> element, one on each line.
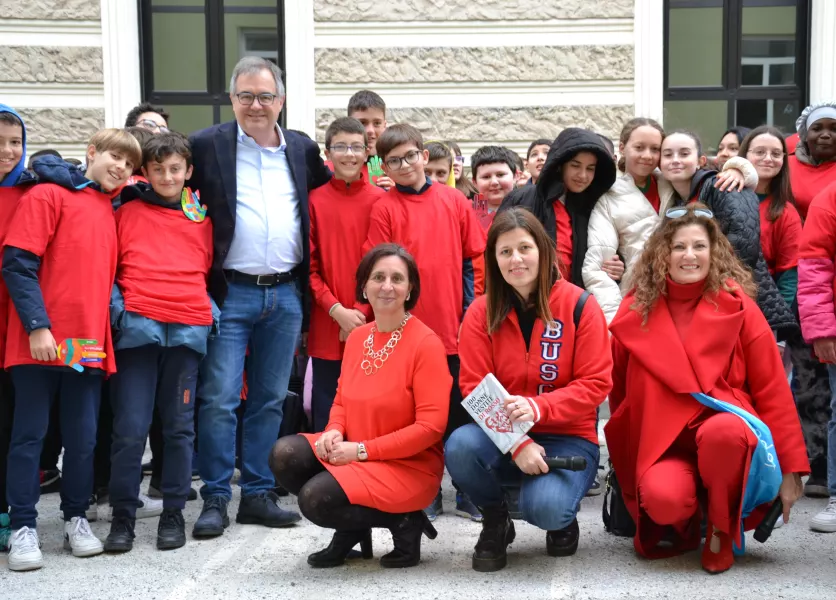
<point>469,10</point>
<point>499,124</point>
<point>81,10</point>
<point>57,69</point>
<point>430,65</point>
<point>50,64</point>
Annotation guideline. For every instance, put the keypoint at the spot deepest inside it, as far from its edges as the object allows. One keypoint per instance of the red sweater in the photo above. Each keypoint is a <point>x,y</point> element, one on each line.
<point>74,233</point>
<point>164,260</point>
<point>565,372</point>
<point>9,198</point>
<point>564,239</point>
<point>780,238</point>
<point>439,228</point>
<point>807,181</point>
<point>340,214</point>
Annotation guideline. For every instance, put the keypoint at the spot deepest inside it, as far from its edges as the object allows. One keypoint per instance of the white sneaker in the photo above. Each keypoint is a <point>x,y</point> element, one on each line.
<point>825,521</point>
<point>148,508</point>
<point>25,553</point>
<point>779,523</point>
<point>79,538</point>
<point>92,512</point>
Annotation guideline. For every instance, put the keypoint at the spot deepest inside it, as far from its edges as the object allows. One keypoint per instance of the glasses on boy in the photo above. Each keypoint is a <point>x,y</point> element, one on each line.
<point>152,126</point>
<point>397,162</point>
<point>246,98</point>
<point>345,148</point>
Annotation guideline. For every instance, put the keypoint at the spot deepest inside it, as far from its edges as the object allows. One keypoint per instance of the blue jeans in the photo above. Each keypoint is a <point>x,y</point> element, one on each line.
<point>269,320</point>
<point>148,376</point>
<point>831,433</point>
<point>550,501</point>
<point>79,395</point>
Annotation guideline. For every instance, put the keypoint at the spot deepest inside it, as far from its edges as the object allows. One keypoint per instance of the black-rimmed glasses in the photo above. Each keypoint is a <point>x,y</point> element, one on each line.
<point>395,163</point>
<point>247,98</point>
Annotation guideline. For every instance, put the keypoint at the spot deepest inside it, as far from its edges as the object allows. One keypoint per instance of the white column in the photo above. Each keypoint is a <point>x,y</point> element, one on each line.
<point>299,63</point>
<point>823,51</point>
<point>649,52</point>
<point>120,50</point>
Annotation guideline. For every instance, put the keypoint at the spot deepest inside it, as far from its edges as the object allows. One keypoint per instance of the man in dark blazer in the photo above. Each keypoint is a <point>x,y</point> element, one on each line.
<point>254,178</point>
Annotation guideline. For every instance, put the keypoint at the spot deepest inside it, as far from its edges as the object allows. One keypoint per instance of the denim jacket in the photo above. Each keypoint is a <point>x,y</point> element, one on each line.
<point>131,330</point>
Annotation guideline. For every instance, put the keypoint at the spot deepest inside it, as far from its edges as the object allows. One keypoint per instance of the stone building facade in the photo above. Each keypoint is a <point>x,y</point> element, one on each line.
<point>474,71</point>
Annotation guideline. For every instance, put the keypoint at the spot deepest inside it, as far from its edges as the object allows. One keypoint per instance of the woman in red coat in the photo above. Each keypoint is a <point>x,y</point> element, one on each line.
<point>379,460</point>
<point>523,332</point>
<point>691,326</point>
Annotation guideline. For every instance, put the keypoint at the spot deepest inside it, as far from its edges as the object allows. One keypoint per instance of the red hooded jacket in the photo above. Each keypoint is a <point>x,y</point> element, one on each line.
<point>565,373</point>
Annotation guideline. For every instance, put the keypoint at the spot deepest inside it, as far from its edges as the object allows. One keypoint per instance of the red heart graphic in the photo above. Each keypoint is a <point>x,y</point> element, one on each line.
<point>498,421</point>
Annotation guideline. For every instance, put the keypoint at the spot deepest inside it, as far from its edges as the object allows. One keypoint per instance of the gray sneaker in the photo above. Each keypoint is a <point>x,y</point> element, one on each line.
<point>825,521</point>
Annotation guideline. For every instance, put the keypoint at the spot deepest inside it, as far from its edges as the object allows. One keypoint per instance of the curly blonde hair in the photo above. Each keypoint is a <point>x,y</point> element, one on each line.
<point>650,274</point>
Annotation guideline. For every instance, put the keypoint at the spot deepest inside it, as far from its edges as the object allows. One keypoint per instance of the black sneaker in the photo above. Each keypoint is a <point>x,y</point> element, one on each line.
<point>171,532</point>
<point>497,534</point>
<point>147,468</point>
<point>595,489</point>
<point>563,542</point>
<point>816,488</point>
<point>213,518</point>
<point>264,509</point>
<point>121,536</point>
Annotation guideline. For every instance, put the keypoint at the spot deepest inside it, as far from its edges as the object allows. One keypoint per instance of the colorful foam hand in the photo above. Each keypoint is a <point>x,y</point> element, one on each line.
<point>77,352</point>
<point>192,208</point>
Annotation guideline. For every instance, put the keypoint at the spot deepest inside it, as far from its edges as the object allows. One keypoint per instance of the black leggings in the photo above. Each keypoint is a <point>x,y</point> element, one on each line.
<point>321,499</point>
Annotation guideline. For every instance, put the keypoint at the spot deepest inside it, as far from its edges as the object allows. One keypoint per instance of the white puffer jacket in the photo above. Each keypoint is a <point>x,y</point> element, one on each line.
<point>621,223</point>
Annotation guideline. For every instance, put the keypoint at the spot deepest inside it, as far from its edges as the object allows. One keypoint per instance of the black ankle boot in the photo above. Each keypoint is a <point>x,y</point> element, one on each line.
<point>340,547</point>
<point>497,534</point>
<point>563,542</point>
<point>407,538</point>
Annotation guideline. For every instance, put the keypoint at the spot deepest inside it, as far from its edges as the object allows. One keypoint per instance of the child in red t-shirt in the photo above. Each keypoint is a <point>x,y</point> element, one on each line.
<point>162,316</point>
<point>59,264</point>
<point>340,214</point>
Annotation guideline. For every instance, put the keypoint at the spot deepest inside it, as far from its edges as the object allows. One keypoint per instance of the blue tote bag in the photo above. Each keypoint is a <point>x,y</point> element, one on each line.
<point>765,476</point>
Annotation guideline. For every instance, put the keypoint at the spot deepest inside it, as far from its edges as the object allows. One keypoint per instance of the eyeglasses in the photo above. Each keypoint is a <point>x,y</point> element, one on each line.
<point>246,98</point>
<point>763,153</point>
<point>677,213</point>
<point>152,125</point>
<point>396,162</point>
<point>345,148</point>
<point>460,159</point>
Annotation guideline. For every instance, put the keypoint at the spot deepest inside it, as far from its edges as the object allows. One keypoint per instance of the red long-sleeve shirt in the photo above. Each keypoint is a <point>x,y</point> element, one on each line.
<point>9,198</point>
<point>564,371</point>
<point>340,215</point>
<point>439,228</point>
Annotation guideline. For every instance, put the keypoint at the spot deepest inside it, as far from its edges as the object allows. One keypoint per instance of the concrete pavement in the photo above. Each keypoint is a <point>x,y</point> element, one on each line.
<point>251,562</point>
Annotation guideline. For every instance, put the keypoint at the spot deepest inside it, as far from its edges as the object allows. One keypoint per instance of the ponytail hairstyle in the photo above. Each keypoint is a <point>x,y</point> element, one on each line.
<point>628,129</point>
<point>780,190</point>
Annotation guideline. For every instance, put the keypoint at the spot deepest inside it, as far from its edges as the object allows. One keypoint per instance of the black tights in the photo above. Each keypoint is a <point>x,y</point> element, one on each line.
<point>321,499</point>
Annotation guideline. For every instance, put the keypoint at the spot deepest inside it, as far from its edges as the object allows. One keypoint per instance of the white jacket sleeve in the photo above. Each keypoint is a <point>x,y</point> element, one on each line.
<point>602,245</point>
<point>750,174</point>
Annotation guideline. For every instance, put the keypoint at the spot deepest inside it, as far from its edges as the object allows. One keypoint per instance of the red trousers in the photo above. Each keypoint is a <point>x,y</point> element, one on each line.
<point>708,458</point>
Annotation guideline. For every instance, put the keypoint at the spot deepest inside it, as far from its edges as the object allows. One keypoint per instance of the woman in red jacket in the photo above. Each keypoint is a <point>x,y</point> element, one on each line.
<point>379,460</point>
<point>691,326</point>
<point>522,330</point>
<point>813,164</point>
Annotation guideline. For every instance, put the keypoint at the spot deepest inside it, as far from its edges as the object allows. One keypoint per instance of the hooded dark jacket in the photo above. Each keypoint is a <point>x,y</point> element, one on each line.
<point>738,215</point>
<point>540,198</point>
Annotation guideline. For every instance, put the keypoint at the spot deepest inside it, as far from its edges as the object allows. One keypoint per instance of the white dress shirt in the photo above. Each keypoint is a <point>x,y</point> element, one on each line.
<point>268,223</point>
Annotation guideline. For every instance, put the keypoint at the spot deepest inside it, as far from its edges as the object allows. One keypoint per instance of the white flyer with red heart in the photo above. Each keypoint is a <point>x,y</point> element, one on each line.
<point>486,404</point>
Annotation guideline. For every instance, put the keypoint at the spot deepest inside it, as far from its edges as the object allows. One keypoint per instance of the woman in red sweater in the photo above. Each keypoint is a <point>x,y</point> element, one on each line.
<point>379,460</point>
<point>523,331</point>
<point>691,326</point>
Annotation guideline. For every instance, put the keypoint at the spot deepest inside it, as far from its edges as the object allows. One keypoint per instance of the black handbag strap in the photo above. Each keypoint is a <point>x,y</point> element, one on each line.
<point>576,315</point>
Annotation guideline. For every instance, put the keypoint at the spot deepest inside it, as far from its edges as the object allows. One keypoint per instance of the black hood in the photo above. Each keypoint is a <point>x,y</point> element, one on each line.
<point>700,177</point>
<point>571,141</point>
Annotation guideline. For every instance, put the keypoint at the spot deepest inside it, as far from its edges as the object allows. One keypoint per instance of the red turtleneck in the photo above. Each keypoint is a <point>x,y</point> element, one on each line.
<point>682,302</point>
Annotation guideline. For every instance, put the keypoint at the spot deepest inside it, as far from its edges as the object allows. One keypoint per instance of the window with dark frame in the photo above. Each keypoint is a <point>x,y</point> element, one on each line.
<point>735,62</point>
<point>188,49</point>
